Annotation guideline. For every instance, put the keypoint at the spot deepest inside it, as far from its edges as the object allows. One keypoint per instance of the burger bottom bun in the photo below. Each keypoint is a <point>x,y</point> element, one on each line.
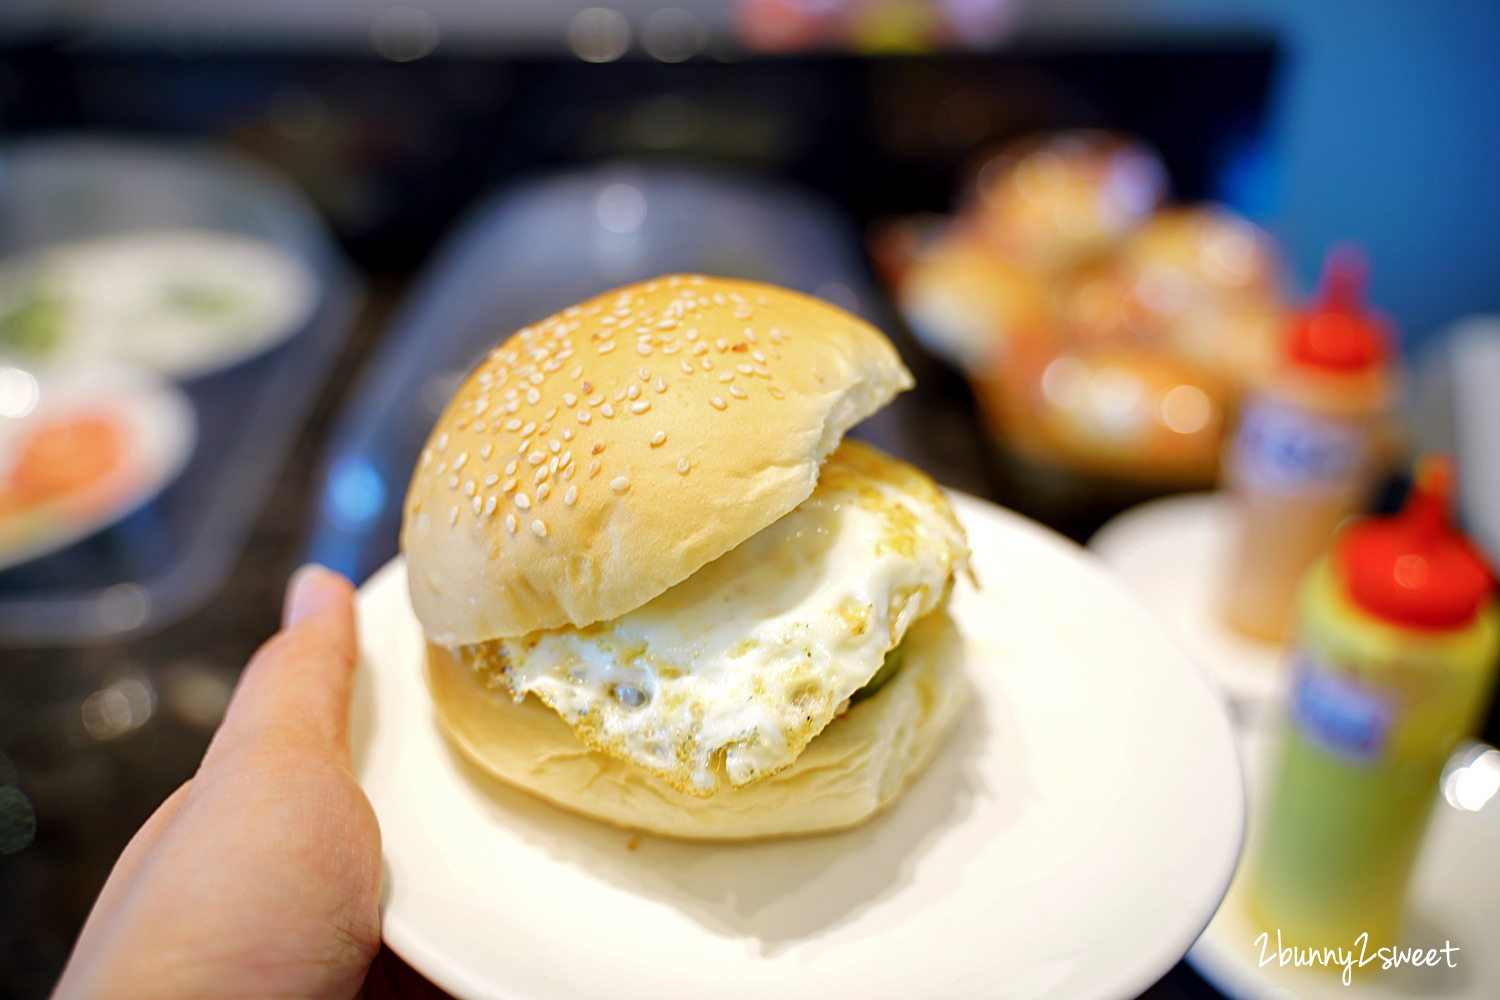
<point>850,771</point>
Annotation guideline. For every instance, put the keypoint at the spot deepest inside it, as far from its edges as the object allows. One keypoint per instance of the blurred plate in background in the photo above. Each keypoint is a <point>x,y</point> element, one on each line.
<point>80,451</point>
<point>185,302</point>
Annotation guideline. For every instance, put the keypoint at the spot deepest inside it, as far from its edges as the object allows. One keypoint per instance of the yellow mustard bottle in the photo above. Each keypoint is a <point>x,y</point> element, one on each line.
<point>1393,657</point>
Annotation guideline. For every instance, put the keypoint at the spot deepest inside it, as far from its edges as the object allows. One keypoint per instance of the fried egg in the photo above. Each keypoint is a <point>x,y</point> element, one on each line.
<point>733,671</point>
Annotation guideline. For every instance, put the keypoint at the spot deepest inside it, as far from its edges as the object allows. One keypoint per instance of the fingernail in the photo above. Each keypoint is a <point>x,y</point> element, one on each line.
<point>304,595</point>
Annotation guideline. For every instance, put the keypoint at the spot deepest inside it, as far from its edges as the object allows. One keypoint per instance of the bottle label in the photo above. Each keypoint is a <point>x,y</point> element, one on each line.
<point>1338,713</point>
<point>1284,449</point>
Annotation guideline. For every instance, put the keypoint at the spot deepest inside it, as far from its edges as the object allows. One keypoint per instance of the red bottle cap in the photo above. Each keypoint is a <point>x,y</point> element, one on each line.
<point>1339,333</point>
<point>1413,568</point>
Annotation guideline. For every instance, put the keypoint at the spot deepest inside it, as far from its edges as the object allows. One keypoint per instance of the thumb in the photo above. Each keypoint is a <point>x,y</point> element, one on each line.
<point>297,685</point>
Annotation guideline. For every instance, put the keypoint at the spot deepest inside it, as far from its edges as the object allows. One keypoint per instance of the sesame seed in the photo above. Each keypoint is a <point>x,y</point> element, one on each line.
<point>513,424</point>
<point>722,345</point>
<point>491,479</point>
<point>536,458</point>
<point>744,368</point>
<point>453,516</point>
<point>510,523</point>
<point>620,394</point>
<point>442,442</point>
<point>567,434</point>
<point>607,410</point>
<point>525,446</point>
<point>567,457</point>
<point>700,349</point>
<point>533,397</point>
<point>571,497</point>
<point>660,385</point>
<point>541,474</point>
<point>762,371</point>
<point>726,377</point>
<point>441,468</point>
<point>568,472</point>
<point>598,447</point>
<point>576,372</point>
<point>542,492</point>
<point>692,333</point>
<point>596,400</point>
<point>460,461</point>
<point>717,403</point>
<point>608,320</point>
<point>777,393</point>
<point>634,392</point>
<point>643,349</point>
<point>593,468</point>
<point>486,449</point>
<point>510,394</point>
<point>708,364</point>
<point>683,465</point>
<point>478,504</point>
<point>489,506</point>
<point>606,347</point>
<point>554,464</point>
<point>523,501</point>
<point>539,528</point>
<point>640,406</point>
<point>658,438</point>
<point>536,378</point>
<point>687,366</point>
<point>554,446</point>
<point>526,431</point>
<point>510,484</point>
<point>551,413</point>
<point>620,484</point>
<point>667,324</point>
<point>758,355</point>
<point>644,374</point>
<point>583,416</point>
<point>776,335</point>
<point>453,482</point>
<point>469,487</point>
<point>737,392</point>
<point>570,399</point>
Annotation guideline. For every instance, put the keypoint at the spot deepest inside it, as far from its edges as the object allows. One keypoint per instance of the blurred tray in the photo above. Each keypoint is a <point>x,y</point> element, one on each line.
<point>530,251</point>
<point>170,556</point>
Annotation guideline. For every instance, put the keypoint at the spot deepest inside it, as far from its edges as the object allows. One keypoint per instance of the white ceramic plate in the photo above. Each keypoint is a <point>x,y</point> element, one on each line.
<point>1173,553</point>
<point>156,428</point>
<point>184,302</point>
<point>1071,840</point>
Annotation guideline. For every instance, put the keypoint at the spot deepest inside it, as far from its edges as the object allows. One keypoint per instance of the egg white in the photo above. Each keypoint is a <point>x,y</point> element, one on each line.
<point>738,667</point>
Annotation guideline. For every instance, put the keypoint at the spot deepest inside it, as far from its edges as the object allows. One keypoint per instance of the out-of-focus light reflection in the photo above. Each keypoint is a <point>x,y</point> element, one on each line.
<point>1186,409</point>
<point>1065,382</point>
<point>356,493</point>
<point>599,35</point>
<point>673,35</point>
<point>198,693</point>
<point>1119,401</point>
<point>122,607</point>
<point>621,208</point>
<point>18,392</point>
<point>403,34</point>
<point>17,820</point>
<point>123,707</point>
<point>1471,786</point>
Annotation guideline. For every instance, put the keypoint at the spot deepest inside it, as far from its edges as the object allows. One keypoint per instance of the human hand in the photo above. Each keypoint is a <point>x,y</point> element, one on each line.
<point>260,876</point>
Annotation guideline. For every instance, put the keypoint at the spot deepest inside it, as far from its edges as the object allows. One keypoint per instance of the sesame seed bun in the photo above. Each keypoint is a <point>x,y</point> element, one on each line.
<point>855,767</point>
<point>604,454</point>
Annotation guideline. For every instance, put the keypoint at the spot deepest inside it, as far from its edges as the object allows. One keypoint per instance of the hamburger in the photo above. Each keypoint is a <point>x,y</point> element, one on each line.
<point>658,586</point>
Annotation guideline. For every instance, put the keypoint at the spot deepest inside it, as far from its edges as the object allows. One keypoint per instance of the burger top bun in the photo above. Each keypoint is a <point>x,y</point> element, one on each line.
<point>604,454</point>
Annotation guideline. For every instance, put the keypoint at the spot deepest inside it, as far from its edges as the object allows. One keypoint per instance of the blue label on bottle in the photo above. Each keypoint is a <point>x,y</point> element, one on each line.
<point>1338,713</point>
<point>1285,449</point>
